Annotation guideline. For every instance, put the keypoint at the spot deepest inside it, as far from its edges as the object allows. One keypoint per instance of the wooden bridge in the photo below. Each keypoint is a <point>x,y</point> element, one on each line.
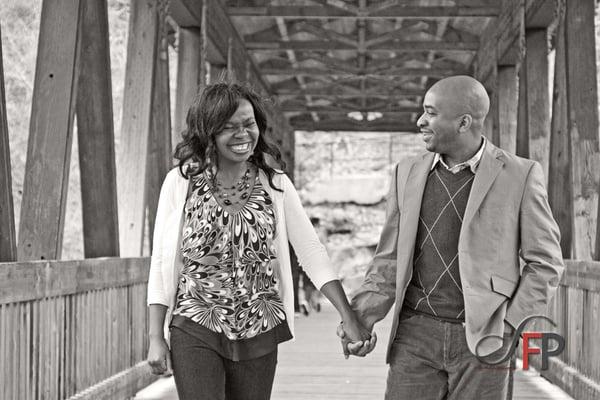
<point>78,329</point>
<point>313,368</point>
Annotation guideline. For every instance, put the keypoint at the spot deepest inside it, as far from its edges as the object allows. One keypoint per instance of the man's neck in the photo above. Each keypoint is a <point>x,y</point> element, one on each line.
<point>461,155</point>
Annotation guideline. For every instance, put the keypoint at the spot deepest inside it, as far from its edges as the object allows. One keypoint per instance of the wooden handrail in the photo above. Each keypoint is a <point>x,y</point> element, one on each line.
<point>26,281</point>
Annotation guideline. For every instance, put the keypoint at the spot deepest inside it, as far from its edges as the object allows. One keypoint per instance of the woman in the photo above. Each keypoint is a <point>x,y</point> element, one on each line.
<point>220,266</point>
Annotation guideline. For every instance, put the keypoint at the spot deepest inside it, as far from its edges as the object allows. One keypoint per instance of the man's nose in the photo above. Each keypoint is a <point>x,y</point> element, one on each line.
<point>421,121</point>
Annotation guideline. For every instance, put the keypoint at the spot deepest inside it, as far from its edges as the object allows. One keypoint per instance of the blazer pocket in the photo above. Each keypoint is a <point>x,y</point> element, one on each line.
<point>503,286</point>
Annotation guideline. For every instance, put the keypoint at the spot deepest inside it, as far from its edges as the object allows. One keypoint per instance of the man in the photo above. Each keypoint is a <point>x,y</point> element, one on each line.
<point>458,219</point>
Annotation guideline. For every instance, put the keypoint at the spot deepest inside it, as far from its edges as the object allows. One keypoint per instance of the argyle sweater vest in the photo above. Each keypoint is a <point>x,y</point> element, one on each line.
<point>435,288</point>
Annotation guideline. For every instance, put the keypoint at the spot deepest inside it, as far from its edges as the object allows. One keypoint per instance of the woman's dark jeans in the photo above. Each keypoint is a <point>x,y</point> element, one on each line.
<point>201,373</point>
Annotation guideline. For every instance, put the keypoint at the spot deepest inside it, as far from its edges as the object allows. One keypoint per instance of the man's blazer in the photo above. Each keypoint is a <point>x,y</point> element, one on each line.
<point>507,219</point>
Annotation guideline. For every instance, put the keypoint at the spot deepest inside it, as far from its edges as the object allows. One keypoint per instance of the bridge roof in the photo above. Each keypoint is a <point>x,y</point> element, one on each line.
<point>355,64</point>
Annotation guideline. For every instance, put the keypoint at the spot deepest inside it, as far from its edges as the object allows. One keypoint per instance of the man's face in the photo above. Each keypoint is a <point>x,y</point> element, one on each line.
<point>438,123</point>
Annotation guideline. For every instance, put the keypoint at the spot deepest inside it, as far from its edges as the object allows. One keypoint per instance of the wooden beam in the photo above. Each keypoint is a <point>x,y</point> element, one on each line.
<point>217,73</point>
<point>507,88</point>
<point>350,125</point>
<point>8,245</point>
<point>188,78</point>
<point>306,12</point>
<point>522,146</point>
<point>560,185</point>
<point>50,133</point>
<point>135,126</point>
<point>402,46</point>
<point>536,117</point>
<point>329,92</point>
<point>540,13</point>
<point>582,99</point>
<point>96,135</point>
<point>159,145</point>
<point>335,110</point>
<point>391,72</point>
<point>500,38</point>
<point>491,124</point>
<point>329,34</point>
<point>36,280</point>
<point>220,30</point>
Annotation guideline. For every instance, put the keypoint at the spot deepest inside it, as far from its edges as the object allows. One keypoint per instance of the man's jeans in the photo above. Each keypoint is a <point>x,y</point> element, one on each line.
<point>430,360</point>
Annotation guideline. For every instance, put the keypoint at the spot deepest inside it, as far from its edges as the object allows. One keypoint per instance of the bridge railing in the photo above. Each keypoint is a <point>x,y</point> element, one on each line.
<point>78,329</point>
<point>576,311</point>
<point>73,329</point>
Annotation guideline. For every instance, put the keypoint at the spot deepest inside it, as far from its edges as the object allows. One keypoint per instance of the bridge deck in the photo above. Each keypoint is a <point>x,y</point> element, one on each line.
<point>312,368</point>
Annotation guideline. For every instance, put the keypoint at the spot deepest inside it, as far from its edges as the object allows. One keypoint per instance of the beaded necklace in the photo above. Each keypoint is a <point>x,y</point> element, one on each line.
<point>235,194</point>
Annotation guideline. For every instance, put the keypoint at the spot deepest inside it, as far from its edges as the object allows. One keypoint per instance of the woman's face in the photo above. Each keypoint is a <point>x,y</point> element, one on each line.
<point>236,142</point>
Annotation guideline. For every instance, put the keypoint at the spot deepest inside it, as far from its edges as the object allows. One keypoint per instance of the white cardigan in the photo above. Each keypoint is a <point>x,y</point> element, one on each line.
<point>292,224</point>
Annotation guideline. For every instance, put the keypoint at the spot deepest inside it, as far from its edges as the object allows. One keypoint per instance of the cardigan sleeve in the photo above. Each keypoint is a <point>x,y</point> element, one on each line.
<point>166,203</point>
<point>311,253</point>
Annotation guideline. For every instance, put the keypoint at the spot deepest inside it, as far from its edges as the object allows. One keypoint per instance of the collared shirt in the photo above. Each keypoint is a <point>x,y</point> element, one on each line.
<point>471,163</point>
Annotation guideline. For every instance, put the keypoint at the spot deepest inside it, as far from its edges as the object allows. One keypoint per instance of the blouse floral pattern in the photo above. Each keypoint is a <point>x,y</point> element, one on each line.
<point>228,282</point>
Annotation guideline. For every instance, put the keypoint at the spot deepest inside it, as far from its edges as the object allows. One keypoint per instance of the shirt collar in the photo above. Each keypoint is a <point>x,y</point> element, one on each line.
<point>472,163</point>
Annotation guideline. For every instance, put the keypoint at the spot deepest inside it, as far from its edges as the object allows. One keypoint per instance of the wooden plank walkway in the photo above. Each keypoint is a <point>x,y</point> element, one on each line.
<point>313,367</point>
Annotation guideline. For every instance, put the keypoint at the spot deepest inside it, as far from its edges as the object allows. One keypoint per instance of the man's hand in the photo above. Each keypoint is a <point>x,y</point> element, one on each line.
<point>358,348</point>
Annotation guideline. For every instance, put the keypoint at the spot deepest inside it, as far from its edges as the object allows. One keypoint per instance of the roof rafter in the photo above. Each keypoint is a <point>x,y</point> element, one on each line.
<point>348,124</point>
<point>344,110</point>
<point>382,92</point>
<point>391,72</point>
<point>394,11</point>
<point>404,46</point>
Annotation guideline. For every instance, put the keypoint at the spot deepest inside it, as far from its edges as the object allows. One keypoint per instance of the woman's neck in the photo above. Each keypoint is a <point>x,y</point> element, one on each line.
<point>231,172</point>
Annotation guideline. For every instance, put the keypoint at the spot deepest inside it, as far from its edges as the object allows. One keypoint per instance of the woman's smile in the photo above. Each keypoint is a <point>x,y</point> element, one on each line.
<point>240,148</point>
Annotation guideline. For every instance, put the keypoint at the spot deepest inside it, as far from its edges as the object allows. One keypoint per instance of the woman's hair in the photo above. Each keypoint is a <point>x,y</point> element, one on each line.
<point>211,110</point>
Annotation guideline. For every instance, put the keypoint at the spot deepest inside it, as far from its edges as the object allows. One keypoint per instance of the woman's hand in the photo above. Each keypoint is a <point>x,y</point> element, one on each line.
<point>355,332</point>
<point>159,358</point>
<point>356,339</point>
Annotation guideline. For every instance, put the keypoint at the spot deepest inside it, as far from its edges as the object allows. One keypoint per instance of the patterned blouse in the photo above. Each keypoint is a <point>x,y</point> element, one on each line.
<point>228,283</point>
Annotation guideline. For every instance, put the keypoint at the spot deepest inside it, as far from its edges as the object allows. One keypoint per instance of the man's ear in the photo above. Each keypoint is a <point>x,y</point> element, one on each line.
<point>465,122</point>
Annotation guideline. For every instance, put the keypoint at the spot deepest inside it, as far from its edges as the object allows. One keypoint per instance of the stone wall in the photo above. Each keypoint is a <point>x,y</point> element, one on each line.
<point>342,178</point>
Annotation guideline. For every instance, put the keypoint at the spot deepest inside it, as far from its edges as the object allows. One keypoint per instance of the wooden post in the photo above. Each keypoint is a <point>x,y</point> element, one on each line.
<point>491,121</point>
<point>559,179</point>
<point>533,139</point>
<point>95,134</point>
<point>582,100</point>
<point>159,145</point>
<point>217,73</point>
<point>188,77</point>
<point>50,133</point>
<point>507,107</point>
<point>230,67</point>
<point>135,127</point>
<point>522,145</point>
<point>8,245</point>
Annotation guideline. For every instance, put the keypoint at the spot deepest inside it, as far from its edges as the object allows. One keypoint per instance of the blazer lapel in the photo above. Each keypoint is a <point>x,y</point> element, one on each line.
<point>413,195</point>
<point>489,168</point>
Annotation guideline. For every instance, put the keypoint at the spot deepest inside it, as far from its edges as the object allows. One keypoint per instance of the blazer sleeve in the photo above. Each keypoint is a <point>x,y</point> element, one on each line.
<point>540,251</point>
<point>377,293</point>
<point>311,253</point>
<point>166,204</point>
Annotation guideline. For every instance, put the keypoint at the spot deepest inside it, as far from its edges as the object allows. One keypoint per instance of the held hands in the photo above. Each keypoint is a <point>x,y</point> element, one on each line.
<point>159,358</point>
<point>356,339</point>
